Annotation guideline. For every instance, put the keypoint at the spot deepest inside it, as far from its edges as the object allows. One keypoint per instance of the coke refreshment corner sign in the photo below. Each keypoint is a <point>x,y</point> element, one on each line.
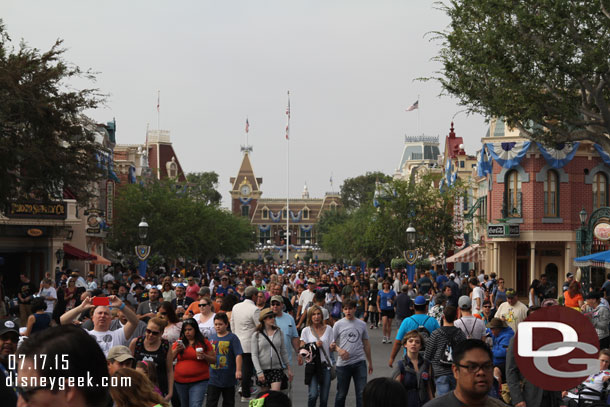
<point>602,231</point>
<point>556,348</point>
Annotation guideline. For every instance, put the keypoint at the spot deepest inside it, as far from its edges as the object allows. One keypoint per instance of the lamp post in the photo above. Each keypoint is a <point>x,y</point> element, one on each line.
<point>142,250</point>
<point>411,253</point>
<point>582,249</point>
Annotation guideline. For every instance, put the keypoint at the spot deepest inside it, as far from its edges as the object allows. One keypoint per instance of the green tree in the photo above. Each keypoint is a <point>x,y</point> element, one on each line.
<point>380,234</point>
<point>203,187</point>
<point>45,146</point>
<point>179,226</point>
<point>359,191</point>
<point>542,65</point>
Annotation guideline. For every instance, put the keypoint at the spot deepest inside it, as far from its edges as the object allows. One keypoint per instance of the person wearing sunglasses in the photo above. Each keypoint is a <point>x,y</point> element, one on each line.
<point>153,347</point>
<point>473,371</point>
<point>205,318</point>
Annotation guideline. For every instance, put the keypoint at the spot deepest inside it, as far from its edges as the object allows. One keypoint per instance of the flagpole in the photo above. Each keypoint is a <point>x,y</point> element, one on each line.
<point>288,184</point>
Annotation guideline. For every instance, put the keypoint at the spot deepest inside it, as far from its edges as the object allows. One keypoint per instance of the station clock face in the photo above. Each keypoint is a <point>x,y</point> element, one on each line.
<point>245,190</point>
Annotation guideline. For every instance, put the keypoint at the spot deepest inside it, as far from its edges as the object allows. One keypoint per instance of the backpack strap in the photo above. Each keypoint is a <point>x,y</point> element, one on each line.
<point>471,330</point>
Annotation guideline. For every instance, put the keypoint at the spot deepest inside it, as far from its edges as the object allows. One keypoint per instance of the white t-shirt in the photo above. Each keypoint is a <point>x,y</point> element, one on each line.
<point>207,328</point>
<point>308,337</point>
<point>109,339</point>
<point>49,292</point>
<point>477,292</point>
<point>305,298</point>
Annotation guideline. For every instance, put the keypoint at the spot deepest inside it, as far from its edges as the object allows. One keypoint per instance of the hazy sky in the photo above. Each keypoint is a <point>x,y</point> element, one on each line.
<point>350,66</point>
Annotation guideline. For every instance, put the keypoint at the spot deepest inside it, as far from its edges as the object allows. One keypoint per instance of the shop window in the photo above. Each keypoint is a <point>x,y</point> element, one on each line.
<point>600,190</point>
<point>513,194</point>
<point>264,235</point>
<point>551,194</point>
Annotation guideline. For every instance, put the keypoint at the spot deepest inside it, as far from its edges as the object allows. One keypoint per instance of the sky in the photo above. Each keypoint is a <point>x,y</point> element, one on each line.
<point>351,66</point>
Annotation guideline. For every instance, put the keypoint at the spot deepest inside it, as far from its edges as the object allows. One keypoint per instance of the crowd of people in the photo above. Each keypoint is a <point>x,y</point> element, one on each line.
<point>192,337</point>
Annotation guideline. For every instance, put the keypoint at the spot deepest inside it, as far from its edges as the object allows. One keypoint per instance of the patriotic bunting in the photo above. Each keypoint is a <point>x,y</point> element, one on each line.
<point>559,156</point>
<point>508,154</point>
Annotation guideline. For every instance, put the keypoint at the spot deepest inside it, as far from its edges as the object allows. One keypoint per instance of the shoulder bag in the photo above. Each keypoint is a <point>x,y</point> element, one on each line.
<point>333,368</point>
<point>284,377</point>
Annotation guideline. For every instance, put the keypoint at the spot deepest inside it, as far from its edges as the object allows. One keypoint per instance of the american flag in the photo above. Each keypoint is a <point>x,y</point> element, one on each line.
<point>247,125</point>
<point>413,106</point>
<point>158,100</point>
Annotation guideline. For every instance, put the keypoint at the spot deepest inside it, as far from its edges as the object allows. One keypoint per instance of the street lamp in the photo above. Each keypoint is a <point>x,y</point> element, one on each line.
<point>143,229</point>
<point>411,236</point>
<point>59,255</point>
<point>583,217</point>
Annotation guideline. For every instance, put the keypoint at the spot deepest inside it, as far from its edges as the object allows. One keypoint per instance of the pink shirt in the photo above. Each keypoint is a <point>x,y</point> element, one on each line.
<point>192,291</point>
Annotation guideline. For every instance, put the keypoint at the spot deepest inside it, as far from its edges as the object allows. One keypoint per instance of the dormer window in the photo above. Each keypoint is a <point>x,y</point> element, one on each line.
<point>305,213</point>
<point>265,213</point>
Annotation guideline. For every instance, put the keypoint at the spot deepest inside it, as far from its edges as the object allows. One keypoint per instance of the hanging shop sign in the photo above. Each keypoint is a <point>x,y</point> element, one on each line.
<point>36,210</point>
<point>109,202</point>
<point>503,230</point>
<point>94,219</point>
<point>602,231</point>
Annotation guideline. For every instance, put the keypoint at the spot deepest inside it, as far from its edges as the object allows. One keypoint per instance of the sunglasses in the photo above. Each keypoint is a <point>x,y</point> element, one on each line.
<point>154,333</point>
<point>486,306</point>
<point>162,313</point>
<point>203,305</point>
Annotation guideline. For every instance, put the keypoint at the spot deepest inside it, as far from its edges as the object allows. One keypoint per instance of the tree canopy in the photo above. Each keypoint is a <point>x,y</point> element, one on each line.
<point>542,65</point>
<point>359,191</point>
<point>203,187</point>
<point>380,233</point>
<point>179,226</point>
<point>46,147</point>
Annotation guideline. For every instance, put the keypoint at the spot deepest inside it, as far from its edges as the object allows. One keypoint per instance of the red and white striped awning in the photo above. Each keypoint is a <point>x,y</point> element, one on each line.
<point>468,255</point>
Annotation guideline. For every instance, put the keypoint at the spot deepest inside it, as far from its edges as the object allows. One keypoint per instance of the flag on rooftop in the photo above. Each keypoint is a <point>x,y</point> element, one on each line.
<point>247,125</point>
<point>413,106</point>
<point>288,114</point>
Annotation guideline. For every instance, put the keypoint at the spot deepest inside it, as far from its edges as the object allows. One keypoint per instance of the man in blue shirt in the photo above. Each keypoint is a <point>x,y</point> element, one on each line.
<point>224,288</point>
<point>286,323</point>
<point>421,318</point>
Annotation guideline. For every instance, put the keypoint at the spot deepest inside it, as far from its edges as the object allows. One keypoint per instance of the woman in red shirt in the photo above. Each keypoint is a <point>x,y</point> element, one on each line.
<point>192,372</point>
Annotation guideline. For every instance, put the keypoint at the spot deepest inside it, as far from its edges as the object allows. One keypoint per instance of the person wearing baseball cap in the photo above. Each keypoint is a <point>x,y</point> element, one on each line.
<point>9,338</point>
<point>473,327</point>
<point>512,311</point>
<point>306,297</point>
<point>118,357</point>
<point>286,323</point>
<point>420,318</point>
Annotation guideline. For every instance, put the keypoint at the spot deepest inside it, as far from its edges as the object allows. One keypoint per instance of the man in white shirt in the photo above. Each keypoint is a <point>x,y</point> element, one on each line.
<point>306,297</point>
<point>478,295</point>
<point>473,327</point>
<point>102,318</point>
<point>49,294</point>
<point>244,320</point>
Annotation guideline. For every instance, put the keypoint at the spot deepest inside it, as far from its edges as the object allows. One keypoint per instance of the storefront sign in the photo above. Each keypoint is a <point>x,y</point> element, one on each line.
<point>602,231</point>
<point>502,230</point>
<point>109,202</point>
<point>37,210</point>
<point>94,217</point>
<point>34,232</point>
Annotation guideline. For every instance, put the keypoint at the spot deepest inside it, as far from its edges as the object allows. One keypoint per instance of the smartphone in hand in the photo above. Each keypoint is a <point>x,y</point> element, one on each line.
<point>100,301</point>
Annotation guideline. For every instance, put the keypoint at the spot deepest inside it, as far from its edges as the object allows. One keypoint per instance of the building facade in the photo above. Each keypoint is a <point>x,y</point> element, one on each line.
<point>269,215</point>
<point>530,200</point>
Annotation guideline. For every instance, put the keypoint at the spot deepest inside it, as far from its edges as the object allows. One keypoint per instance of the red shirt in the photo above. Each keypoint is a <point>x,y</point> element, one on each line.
<point>192,291</point>
<point>189,369</point>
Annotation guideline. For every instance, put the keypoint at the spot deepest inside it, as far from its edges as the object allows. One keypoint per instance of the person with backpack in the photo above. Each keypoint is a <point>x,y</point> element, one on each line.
<point>420,321</point>
<point>413,371</point>
<point>473,327</point>
<point>439,348</point>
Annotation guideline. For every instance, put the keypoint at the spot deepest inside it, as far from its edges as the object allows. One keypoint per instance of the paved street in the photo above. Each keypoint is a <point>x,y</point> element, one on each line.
<point>380,354</point>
